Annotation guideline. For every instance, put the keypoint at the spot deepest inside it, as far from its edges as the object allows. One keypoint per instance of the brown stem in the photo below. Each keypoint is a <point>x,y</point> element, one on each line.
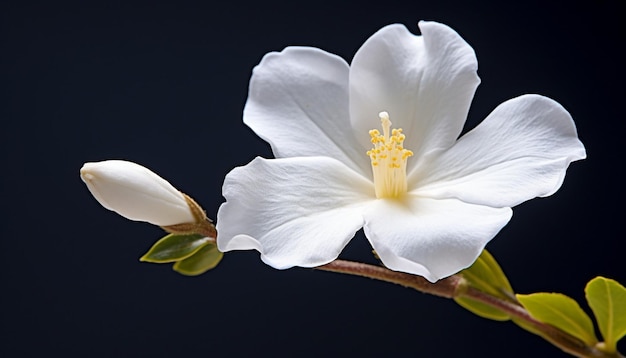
<point>456,286</point>
<point>443,288</point>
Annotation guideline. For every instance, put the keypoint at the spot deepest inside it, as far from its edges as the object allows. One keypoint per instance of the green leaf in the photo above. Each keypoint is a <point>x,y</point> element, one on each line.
<point>205,259</point>
<point>561,312</point>
<point>607,299</point>
<point>174,247</point>
<point>487,276</point>
<point>481,309</point>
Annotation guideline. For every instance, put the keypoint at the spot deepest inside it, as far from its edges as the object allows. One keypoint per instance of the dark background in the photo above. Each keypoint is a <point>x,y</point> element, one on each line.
<point>164,84</point>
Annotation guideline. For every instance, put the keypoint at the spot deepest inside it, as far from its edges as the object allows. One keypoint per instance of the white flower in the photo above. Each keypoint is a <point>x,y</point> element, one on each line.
<point>136,193</point>
<point>432,209</point>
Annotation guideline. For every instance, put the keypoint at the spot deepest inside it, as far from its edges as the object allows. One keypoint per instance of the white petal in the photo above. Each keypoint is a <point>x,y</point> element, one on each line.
<point>429,237</point>
<point>136,193</point>
<point>294,211</point>
<point>298,102</point>
<point>520,151</point>
<point>426,84</point>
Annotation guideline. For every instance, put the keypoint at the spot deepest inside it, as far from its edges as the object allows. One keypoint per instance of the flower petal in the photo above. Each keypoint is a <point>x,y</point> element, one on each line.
<point>298,103</point>
<point>520,151</point>
<point>426,84</point>
<point>294,211</point>
<point>429,237</point>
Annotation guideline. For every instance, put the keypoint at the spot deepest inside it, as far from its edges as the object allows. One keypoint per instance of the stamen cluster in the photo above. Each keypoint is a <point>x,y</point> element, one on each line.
<point>388,160</point>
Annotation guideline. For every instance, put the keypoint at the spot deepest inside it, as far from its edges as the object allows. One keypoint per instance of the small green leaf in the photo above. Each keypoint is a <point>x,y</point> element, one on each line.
<point>561,312</point>
<point>205,259</point>
<point>607,299</point>
<point>481,309</point>
<point>487,276</point>
<point>174,247</point>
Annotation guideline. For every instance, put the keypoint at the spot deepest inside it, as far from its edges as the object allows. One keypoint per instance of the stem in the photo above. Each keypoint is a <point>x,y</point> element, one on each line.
<point>456,286</point>
<point>204,227</point>
<point>443,288</point>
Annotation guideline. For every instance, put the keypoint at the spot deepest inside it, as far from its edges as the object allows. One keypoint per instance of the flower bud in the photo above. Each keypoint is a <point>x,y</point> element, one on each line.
<point>136,193</point>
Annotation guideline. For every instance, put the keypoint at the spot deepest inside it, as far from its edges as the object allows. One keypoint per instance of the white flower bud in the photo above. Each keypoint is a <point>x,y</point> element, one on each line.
<point>136,193</point>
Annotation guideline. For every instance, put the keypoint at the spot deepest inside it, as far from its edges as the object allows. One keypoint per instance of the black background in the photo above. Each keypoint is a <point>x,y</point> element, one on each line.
<point>164,84</point>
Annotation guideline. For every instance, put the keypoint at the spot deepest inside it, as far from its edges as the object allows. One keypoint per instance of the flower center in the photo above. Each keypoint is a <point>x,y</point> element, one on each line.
<point>388,160</point>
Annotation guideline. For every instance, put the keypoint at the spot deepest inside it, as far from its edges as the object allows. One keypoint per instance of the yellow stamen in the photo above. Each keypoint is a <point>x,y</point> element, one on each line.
<point>388,160</point>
